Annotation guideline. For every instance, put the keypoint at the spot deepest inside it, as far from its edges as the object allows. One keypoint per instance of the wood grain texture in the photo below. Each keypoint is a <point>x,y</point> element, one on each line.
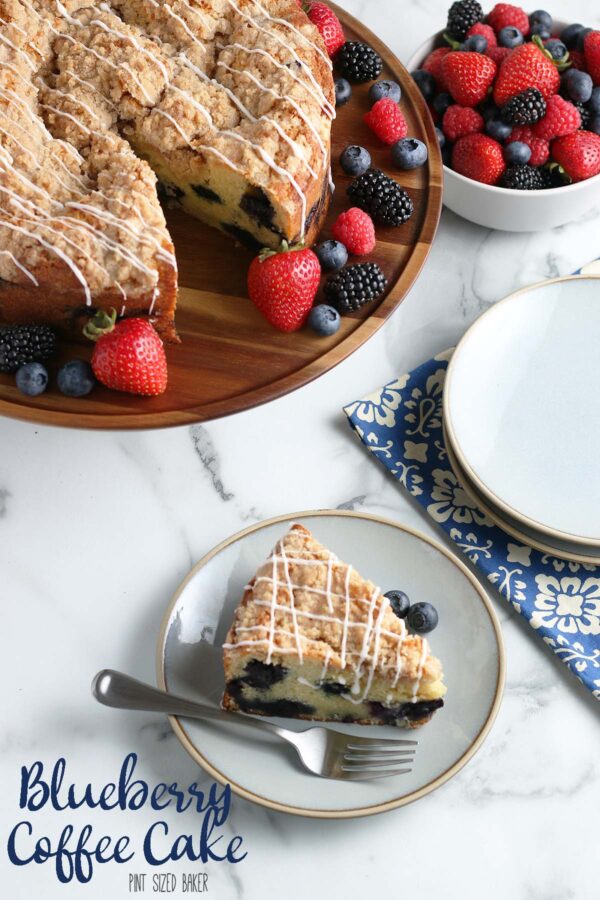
<point>230,358</point>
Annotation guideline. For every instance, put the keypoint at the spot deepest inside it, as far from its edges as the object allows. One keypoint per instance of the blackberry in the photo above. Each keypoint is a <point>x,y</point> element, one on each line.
<point>358,62</point>
<point>461,16</point>
<point>354,286</point>
<point>382,197</point>
<point>526,108</point>
<point>21,344</point>
<point>525,178</point>
<point>585,114</point>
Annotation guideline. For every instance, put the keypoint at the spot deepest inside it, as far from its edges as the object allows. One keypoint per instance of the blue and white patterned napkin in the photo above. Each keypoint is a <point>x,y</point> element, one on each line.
<point>401,424</point>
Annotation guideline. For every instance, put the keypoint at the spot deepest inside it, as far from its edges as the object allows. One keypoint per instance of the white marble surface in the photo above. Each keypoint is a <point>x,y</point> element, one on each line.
<point>96,530</point>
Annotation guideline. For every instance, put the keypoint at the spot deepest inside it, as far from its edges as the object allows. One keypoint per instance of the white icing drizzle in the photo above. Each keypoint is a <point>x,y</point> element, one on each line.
<point>364,662</point>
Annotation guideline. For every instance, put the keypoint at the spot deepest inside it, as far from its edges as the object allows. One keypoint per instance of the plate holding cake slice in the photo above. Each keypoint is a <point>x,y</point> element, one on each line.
<point>313,639</point>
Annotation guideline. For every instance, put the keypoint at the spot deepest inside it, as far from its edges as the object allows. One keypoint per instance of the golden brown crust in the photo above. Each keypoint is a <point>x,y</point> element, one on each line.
<point>243,84</point>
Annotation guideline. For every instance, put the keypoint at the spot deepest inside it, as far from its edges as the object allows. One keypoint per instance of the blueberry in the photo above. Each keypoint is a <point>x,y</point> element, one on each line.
<point>498,130</point>
<point>541,17</point>
<point>425,82</point>
<point>556,49</point>
<point>343,91</point>
<point>332,255</point>
<point>476,43</point>
<point>542,32</point>
<point>409,153</point>
<point>355,160</point>
<point>399,603</point>
<point>594,102</point>
<point>441,102</point>
<point>579,85</point>
<point>32,379</point>
<point>510,37</point>
<point>422,618</point>
<point>517,154</point>
<point>383,90</point>
<point>570,34</point>
<point>75,378</point>
<point>594,124</point>
<point>440,136</point>
<point>582,36</point>
<point>324,320</point>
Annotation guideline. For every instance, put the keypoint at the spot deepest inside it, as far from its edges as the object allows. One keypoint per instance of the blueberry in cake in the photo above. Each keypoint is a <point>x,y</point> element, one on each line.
<point>228,102</point>
<point>312,639</point>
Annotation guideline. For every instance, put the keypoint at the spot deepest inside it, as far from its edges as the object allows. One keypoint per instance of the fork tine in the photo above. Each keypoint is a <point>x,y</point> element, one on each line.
<point>389,756</point>
<point>359,743</point>
<point>366,776</point>
<point>373,764</point>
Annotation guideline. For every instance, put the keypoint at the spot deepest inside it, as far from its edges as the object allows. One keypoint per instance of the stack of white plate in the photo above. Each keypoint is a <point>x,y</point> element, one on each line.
<point>522,416</point>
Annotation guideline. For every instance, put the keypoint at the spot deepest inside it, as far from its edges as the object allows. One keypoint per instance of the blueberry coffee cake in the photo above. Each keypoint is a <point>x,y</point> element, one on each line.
<point>223,106</point>
<point>312,639</point>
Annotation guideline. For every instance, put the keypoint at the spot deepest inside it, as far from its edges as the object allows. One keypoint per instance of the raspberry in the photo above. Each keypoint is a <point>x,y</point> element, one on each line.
<point>504,14</point>
<point>329,26</point>
<point>479,157</point>
<point>433,65</point>
<point>577,60</point>
<point>386,120</point>
<point>355,229</point>
<point>540,148</point>
<point>485,31</point>
<point>561,118</point>
<point>498,54</point>
<point>461,120</point>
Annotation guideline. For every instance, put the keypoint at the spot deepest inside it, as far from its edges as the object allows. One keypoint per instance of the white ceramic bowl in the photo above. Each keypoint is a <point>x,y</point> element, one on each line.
<point>504,209</point>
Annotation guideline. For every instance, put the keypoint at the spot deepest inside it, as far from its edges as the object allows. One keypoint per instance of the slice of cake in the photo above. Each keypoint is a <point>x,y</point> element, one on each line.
<point>312,639</point>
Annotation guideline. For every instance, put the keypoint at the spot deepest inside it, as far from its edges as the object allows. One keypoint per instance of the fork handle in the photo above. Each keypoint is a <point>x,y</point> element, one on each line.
<point>124,692</point>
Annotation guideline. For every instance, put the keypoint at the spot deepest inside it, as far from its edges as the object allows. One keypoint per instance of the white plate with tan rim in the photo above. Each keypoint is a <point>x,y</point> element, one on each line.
<point>556,548</point>
<point>467,640</point>
<point>522,408</point>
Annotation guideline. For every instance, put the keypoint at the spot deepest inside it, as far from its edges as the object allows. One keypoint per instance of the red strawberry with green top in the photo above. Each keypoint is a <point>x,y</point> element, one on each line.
<point>283,283</point>
<point>468,76</point>
<point>433,65</point>
<point>129,355</point>
<point>479,157</point>
<point>591,49</point>
<point>561,118</point>
<point>505,14</point>
<point>330,27</point>
<point>526,67</point>
<point>578,154</point>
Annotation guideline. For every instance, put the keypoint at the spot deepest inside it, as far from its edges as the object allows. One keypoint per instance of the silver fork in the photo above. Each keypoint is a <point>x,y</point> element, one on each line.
<point>323,751</point>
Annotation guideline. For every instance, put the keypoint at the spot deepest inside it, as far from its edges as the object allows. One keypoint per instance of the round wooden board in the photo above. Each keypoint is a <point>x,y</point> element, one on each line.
<point>230,358</point>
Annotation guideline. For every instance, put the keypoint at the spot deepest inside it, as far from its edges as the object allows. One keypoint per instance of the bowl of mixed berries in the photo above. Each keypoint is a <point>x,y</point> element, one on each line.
<point>515,97</point>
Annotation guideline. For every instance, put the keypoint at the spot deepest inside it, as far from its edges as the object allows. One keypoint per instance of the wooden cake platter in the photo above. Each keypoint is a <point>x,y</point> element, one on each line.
<point>230,358</point>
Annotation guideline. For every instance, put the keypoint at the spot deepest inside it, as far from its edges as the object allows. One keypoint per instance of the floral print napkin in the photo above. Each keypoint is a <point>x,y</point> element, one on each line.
<point>401,424</point>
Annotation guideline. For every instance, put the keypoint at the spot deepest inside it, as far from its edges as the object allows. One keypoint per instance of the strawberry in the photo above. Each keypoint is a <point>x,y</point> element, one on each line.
<point>461,120</point>
<point>386,120</point>
<point>433,65</point>
<point>479,157</point>
<point>129,355</point>
<point>577,60</point>
<point>283,283</point>
<point>578,154</point>
<point>526,67</point>
<point>504,14</point>
<point>540,148</point>
<point>468,76</point>
<point>561,118</point>
<point>485,31</point>
<point>498,54</point>
<point>330,27</point>
<point>354,228</point>
<point>591,49</point>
